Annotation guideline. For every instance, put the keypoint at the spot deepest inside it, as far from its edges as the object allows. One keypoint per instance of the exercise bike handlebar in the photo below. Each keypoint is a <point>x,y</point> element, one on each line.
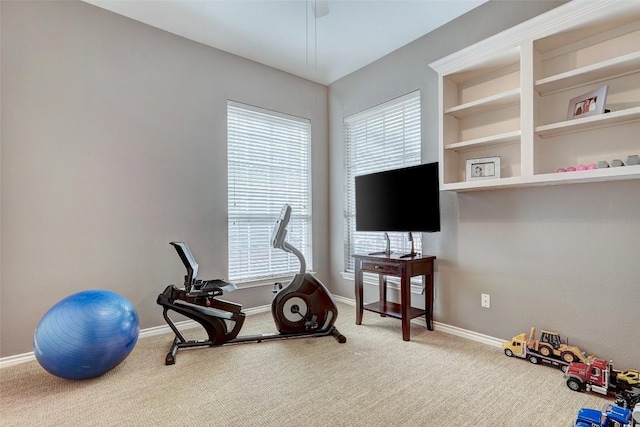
<point>280,234</point>
<point>290,248</point>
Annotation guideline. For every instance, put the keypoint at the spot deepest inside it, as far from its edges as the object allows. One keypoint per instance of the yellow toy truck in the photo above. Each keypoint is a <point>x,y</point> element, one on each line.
<point>550,348</point>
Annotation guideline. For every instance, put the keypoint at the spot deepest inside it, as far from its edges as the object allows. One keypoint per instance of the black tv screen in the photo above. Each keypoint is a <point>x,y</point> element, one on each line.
<point>406,199</point>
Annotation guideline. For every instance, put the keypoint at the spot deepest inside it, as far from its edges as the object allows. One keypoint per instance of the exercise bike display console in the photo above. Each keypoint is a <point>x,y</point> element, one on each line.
<point>303,308</point>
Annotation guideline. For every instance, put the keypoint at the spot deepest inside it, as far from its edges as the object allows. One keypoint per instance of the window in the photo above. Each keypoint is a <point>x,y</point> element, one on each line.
<point>381,138</point>
<point>269,165</point>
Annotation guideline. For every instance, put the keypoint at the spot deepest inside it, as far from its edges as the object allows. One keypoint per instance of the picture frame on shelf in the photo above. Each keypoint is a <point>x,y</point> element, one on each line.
<point>588,104</point>
<point>485,168</point>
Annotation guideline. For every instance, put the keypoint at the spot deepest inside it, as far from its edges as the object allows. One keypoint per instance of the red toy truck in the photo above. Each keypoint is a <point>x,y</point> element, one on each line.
<point>599,376</point>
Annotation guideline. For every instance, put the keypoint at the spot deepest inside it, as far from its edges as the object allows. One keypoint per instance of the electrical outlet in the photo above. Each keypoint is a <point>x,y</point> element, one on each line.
<point>485,300</point>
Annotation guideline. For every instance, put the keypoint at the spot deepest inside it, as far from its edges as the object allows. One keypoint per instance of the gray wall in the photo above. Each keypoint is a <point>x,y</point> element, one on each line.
<point>113,145</point>
<point>563,258</point>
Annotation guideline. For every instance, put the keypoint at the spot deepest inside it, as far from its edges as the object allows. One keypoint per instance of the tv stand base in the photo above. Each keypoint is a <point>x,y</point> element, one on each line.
<point>381,253</point>
<point>410,255</point>
<point>404,268</point>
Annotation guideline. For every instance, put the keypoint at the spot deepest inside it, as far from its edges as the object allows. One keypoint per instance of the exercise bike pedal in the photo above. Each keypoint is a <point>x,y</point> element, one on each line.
<point>311,324</point>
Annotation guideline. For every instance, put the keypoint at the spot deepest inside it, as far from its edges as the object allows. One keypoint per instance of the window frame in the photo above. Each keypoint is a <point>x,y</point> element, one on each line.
<point>300,229</point>
<point>408,104</point>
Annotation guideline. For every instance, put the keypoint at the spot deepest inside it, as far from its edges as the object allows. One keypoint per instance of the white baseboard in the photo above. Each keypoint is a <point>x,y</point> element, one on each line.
<point>443,327</point>
<point>464,333</point>
<point>5,362</point>
<point>344,300</point>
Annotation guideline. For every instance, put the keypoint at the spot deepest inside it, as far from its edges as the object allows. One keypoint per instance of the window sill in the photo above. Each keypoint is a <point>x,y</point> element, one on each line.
<point>265,281</point>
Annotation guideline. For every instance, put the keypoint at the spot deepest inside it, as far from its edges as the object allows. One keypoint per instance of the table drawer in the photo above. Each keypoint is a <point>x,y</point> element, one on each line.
<point>380,268</point>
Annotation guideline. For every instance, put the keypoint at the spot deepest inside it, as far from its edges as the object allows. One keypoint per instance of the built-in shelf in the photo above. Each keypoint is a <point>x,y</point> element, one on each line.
<point>485,104</point>
<point>595,175</point>
<point>517,86</point>
<point>605,70</point>
<point>487,184</point>
<point>474,144</point>
<point>608,119</point>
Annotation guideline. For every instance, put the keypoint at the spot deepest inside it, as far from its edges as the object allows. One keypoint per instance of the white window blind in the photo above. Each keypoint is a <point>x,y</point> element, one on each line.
<point>268,165</point>
<point>381,138</point>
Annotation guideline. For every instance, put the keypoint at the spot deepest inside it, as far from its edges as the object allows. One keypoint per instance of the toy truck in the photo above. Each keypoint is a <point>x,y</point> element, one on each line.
<point>550,348</point>
<point>598,375</point>
<point>612,416</point>
<point>629,398</point>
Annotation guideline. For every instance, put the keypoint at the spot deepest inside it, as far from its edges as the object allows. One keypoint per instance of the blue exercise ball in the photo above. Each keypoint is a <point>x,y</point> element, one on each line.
<point>86,334</point>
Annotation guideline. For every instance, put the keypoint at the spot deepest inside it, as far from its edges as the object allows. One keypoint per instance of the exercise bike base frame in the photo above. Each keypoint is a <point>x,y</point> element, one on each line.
<point>179,343</point>
<point>211,312</point>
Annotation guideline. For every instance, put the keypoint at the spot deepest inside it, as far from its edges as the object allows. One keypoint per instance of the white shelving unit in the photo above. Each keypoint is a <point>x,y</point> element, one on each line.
<point>485,104</point>
<point>508,97</point>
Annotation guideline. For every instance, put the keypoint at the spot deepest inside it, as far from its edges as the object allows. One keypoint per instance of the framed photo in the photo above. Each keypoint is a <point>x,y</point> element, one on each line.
<point>487,168</point>
<point>589,104</point>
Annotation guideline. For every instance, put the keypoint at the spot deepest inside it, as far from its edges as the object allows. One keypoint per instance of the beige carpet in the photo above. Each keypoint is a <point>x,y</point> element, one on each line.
<point>375,379</point>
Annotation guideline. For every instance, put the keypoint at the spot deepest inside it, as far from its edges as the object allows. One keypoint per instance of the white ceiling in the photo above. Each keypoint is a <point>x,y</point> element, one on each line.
<point>286,35</point>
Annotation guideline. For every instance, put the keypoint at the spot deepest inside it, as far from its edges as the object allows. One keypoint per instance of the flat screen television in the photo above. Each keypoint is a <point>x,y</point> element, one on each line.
<point>406,199</point>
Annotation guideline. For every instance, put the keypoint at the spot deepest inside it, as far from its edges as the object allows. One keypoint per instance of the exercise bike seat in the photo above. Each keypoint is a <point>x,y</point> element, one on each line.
<point>213,288</point>
<point>210,288</point>
<point>210,285</point>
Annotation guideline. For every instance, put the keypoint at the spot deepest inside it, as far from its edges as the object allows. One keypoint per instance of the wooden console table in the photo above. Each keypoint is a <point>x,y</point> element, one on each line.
<point>405,268</point>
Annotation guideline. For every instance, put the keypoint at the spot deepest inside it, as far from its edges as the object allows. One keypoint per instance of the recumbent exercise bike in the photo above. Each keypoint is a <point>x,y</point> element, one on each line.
<point>303,308</point>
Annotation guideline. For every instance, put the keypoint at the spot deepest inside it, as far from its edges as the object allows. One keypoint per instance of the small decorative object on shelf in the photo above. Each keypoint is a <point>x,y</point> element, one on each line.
<point>486,168</point>
<point>602,164</point>
<point>631,160</point>
<point>581,167</point>
<point>588,104</point>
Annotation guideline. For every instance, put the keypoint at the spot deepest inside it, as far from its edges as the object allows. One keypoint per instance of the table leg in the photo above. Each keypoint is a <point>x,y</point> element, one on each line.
<point>358,284</point>
<point>382,285</point>
<point>405,305</point>
<point>428,300</point>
